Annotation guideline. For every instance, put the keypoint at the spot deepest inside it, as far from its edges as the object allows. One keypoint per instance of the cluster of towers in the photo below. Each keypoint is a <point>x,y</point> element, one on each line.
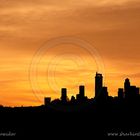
<point>129,92</point>
<point>101,92</point>
<point>79,97</point>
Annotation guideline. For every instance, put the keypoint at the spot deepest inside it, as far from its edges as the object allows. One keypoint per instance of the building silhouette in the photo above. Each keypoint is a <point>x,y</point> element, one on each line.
<point>64,95</point>
<point>73,100</point>
<point>104,93</point>
<point>127,88</point>
<point>81,95</point>
<point>47,100</point>
<point>98,84</point>
<point>129,94</point>
<point>82,91</point>
<point>101,92</point>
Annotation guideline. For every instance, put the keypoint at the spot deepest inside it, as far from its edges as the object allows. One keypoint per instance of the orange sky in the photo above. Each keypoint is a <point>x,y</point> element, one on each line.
<point>111,27</point>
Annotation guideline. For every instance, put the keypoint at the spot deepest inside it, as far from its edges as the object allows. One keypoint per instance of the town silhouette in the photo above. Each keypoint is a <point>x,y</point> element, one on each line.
<point>129,96</point>
<point>102,115</point>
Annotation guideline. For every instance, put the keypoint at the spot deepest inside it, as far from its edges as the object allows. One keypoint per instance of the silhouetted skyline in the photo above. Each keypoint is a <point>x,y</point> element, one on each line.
<point>103,112</point>
<point>129,94</point>
<point>49,53</point>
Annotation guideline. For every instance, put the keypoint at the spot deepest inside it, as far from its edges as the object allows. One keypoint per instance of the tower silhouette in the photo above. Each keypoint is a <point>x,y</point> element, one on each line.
<point>127,88</point>
<point>98,84</point>
<point>64,95</point>
<point>81,95</point>
<point>82,91</point>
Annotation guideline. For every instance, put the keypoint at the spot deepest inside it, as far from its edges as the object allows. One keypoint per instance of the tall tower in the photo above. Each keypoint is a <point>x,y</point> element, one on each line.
<point>64,95</point>
<point>98,84</point>
<point>127,87</point>
<point>82,91</point>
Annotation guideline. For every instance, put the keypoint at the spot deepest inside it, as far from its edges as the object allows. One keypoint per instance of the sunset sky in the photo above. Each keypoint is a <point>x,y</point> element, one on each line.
<point>35,60</point>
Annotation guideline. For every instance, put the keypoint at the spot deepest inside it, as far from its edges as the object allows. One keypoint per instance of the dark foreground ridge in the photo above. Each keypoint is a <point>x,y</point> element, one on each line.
<point>101,116</point>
